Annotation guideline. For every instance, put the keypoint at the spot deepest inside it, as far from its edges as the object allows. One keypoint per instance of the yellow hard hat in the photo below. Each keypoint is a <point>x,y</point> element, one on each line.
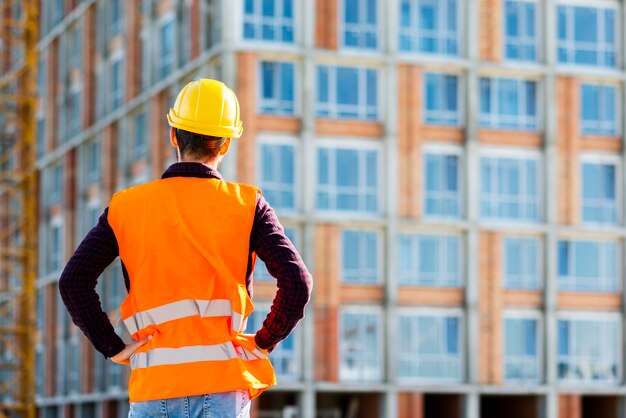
<point>207,107</point>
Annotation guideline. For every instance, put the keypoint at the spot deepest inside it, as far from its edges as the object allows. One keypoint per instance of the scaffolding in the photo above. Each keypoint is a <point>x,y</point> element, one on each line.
<point>18,200</point>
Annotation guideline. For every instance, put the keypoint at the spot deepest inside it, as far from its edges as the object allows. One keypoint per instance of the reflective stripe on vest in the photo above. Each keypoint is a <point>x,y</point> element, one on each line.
<point>182,309</point>
<point>190,354</point>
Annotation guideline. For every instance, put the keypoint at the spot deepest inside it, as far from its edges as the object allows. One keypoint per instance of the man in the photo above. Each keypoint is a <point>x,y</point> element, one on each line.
<point>188,243</point>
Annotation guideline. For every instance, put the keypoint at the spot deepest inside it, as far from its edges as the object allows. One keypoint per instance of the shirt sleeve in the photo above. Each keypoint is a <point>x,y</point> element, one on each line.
<point>77,286</point>
<point>293,280</point>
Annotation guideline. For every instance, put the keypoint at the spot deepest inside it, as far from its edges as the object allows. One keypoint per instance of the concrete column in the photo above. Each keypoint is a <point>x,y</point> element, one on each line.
<point>551,208</point>
<point>308,8</point>
<point>472,404</point>
<point>390,161</point>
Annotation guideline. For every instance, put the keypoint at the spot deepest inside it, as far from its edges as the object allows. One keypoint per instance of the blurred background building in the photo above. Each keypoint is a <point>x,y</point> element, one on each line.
<point>452,172</point>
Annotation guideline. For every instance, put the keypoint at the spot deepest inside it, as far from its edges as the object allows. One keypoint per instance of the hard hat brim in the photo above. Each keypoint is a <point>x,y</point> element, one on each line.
<point>204,129</point>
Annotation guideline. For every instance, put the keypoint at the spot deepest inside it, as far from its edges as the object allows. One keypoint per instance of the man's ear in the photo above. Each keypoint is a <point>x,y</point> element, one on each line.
<point>224,148</point>
<point>173,139</point>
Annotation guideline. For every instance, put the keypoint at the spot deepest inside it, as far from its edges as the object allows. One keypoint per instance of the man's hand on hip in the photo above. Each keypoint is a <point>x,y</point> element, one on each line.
<point>123,356</point>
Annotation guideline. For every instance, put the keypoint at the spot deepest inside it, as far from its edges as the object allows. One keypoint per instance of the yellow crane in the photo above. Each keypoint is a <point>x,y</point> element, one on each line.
<point>18,206</point>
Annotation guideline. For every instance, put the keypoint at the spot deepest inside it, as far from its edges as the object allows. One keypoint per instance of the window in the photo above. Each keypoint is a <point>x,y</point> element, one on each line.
<point>589,349</point>
<point>347,92</point>
<point>347,180</point>
<point>429,346</point>
<point>590,266</point>
<point>598,109</point>
<point>77,53</point>
<point>55,246</point>
<point>507,103</point>
<point>117,83</point>
<point>277,88</point>
<point>360,342</point>
<point>212,23</point>
<point>521,349</point>
<point>442,197</point>
<point>167,61</point>
<point>360,255</point>
<point>74,111</point>
<point>260,269</point>
<point>73,362</point>
<point>56,185</point>
<point>599,184</point>
<point>520,19</point>
<point>442,99</point>
<point>278,175</point>
<point>359,24</point>
<point>268,20</point>
<point>586,36</point>
<point>521,263</point>
<point>94,165</point>
<point>140,146</point>
<point>429,260</point>
<point>286,357</point>
<point>430,26</point>
<point>115,21</point>
<point>510,188</point>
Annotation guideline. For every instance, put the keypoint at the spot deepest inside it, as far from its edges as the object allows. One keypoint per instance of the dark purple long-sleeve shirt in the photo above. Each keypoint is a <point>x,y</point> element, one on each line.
<point>267,239</point>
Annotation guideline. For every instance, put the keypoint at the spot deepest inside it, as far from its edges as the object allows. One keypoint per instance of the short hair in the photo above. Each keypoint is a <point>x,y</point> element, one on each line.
<point>197,146</point>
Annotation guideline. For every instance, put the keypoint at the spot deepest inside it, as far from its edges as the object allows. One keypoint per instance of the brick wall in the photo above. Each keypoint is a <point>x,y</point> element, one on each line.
<point>246,94</point>
<point>411,405</point>
<point>491,30</point>
<point>490,309</point>
<point>326,29</point>
<point>568,105</point>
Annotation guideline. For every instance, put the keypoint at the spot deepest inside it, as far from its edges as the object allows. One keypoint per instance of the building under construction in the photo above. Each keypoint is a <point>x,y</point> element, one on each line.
<point>452,172</point>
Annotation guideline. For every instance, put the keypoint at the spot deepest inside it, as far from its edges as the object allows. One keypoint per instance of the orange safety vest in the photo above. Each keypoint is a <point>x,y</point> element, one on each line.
<point>185,244</point>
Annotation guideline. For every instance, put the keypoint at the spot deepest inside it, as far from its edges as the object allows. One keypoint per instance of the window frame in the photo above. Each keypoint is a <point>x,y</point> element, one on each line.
<point>296,87</point>
<point>360,146</point>
<point>116,58</point>
<point>523,122</point>
<point>442,313</point>
<point>594,316</point>
<point>257,19</point>
<point>515,154</point>
<point>362,108</point>
<point>522,314</point>
<point>415,33</point>
<point>380,246</point>
<point>618,109</point>
<point>341,28</point>
<point>539,33</point>
<point>598,5</point>
<point>282,140</point>
<point>540,263</point>
<point>167,18</point>
<point>441,149</point>
<point>603,159</point>
<point>571,280</point>
<point>460,87</point>
<point>378,312</point>
<point>440,235</point>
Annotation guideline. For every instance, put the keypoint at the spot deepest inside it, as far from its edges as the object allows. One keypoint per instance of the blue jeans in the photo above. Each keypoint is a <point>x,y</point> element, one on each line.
<point>234,404</point>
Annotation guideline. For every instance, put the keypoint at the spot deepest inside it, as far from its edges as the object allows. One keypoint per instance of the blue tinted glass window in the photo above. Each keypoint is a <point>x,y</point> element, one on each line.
<point>521,257</point>
<point>520,43</point>
<point>429,26</point>
<point>442,99</point>
<point>277,175</point>
<point>506,191</point>
<point>442,196</point>
<point>521,361</point>
<point>277,88</point>
<point>359,256</point>
<point>345,182</point>
<point>598,104</point>
<point>433,260</point>
<point>359,24</point>
<point>599,189</point>
<point>347,93</point>
<point>588,266</point>
<point>268,20</point>
<point>168,57</point>
<point>508,104</point>
<point>586,36</point>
